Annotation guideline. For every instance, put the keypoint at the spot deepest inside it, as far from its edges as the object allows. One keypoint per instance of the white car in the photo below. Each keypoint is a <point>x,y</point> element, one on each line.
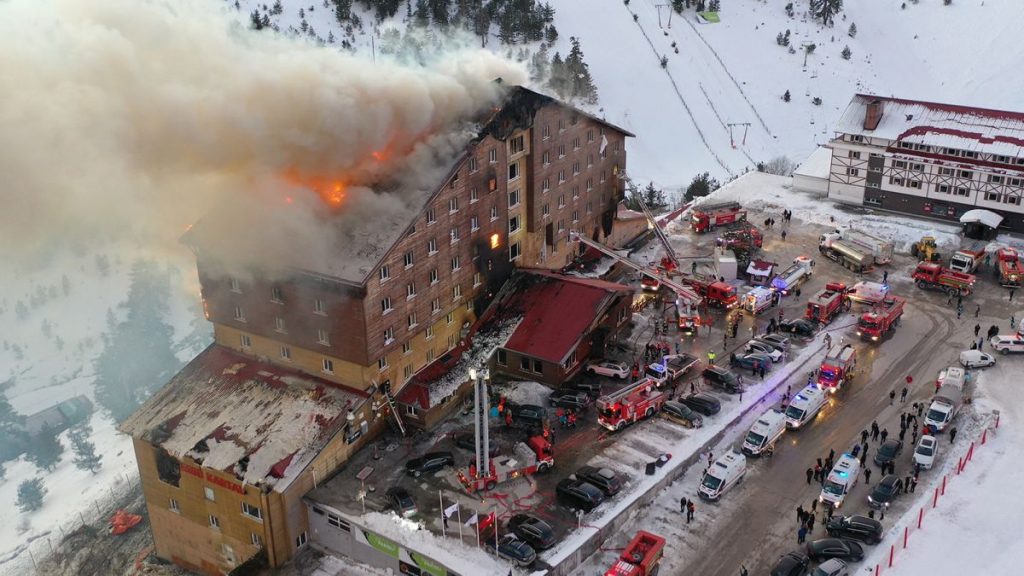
<point>1004,344</point>
<point>764,348</point>
<point>924,454</point>
<point>609,368</point>
<point>976,359</point>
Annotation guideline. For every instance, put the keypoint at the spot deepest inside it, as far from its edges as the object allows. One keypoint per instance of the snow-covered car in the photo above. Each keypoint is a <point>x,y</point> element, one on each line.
<point>1004,344</point>
<point>976,359</point>
<point>833,567</point>
<point>608,368</point>
<point>924,454</point>
<point>764,348</point>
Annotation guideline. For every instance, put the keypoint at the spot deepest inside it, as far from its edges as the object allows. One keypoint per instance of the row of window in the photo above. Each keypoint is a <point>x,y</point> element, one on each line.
<point>997,158</point>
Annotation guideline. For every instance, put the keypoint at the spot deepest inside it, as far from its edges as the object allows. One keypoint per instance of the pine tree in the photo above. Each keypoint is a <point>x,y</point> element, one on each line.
<point>257,24</point>
<point>654,197</point>
<point>550,34</point>
<point>30,495</point>
<point>826,10</point>
<point>421,14</point>
<point>701,185</point>
<point>276,9</point>
<point>13,439</point>
<point>846,53</point>
<point>439,11</point>
<point>85,453</point>
<point>853,30</point>
<point>786,97</point>
<point>714,5</point>
<point>677,5</point>
<point>44,449</point>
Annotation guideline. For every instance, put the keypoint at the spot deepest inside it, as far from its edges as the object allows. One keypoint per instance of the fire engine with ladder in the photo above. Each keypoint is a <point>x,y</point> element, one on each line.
<point>687,300</point>
<point>635,402</point>
<point>707,217</point>
<point>642,557</point>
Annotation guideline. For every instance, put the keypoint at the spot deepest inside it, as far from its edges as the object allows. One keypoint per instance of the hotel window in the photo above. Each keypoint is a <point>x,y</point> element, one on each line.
<point>590,135</point>
<point>433,276</point>
<point>456,292</point>
<point>561,124</point>
<point>516,144</point>
<point>276,296</point>
<point>175,507</point>
<point>409,259</point>
<point>575,216</point>
<point>966,174</point>
<point>513,171</point>
<point>945,171</point>
<point>246,341</point>
<point>917,167</point>
<point>993,196</point>
<point>514,251</point>
<point>944,188</point>
<point>477,279</point>
<point>385,273</point>
<point>428,334</point>
<point>328,366</point>
<point>852,171</point>
<point>561,176</point>
<point>545,184</point>
<point>524,364</point>
<point>492,155</point>
<point>319,307</point>
<point>995,179</point>
<point>456,263</point>
<point>896,181</point>
<point>914,184</point>
<point>279,325</point>
<point>208,493</point>
<point>236,286</point>
<point>454,234</point>
<point>545,211</point>
<point>1011,199</point>
<point>431,246</point>
<point>256,540</point>
<point>455,180</point>
<point>513,224</point>
<point>410,290</point>
<point>575,192</point>
<point>970,154</point>
<point>474,223</point>
<point>474,194</point>
<point>857,138</point>
<point>430,353</point>
<point>590,207</point>
<point>322,337</point>
<point>453,205</point>
<point>561,200</point>
<point>545,158</point>
<point>472,164</point>
<point>561,225</point>
<point>431,216</point>
<point>389,335</point>
<point>239,314</point>
<point>382,363</point>
<point>1016,182</point>
<point>494,213</point>
<point>575,168</point>
<point>513,198</point>
<point>407,348</point>
<point>502,357</point>
<point>286,353</point>
<point>412,323</point>
<point>301,540</point>
<point>590,160</point>
<point>899,164</point>
<point>561,150</point>
<point>252,511</point>
<point>545,132</point>
<point>590,184</point>
<point>451,341</point>
<point>854,154</point>
<point>435,307</point>
<point>961,191</point>
<point>576,143</point>
<point>449,318</point>
<point>385,305</point>
<point>407,372</point>
<point>214,522</point>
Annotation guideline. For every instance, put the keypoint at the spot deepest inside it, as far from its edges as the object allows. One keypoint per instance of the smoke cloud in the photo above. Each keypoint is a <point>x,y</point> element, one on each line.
<point>133,118</point>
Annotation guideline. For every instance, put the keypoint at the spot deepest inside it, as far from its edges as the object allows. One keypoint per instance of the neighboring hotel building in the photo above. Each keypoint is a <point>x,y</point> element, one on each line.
<point>929,159</point>
<point>305,367</point>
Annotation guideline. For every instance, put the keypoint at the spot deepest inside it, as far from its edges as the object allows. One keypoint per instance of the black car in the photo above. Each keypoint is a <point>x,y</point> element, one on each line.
<point>792,564</point>
<point>860,528</point>
<point>887,489</point>
<point>705,404</point>
<point>401,501</point>
<point>592,389</point>
<point>888,451</point>
<point>821,550</point>
<point>529,415</point>
<point>511,548</point>
<point>429,462</point>
<point>721,378</point>
<point>577,494</point>
<point>798,326</point>
<point>569,398</point>
<point>532,530</point>
<point>681,413</point>
<point>605,479</point>
<point>468,442</point>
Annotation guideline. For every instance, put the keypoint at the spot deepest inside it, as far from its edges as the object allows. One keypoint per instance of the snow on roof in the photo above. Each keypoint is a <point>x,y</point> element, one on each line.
<point>817,165</point>
<point>624,213</point>
<point>986,217</point>
<point>945,125</point>
<point>557,310</point>
<point>224,407</point>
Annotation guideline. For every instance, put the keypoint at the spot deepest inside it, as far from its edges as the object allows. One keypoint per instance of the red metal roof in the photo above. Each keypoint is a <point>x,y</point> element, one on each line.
<point>556,312</point>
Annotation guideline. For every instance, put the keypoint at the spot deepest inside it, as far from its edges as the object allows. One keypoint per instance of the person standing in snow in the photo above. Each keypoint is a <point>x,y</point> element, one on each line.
<point>892,397</point>
<point>977,311</point>
<point>903,395</point>
<point>952,435</point>
<point>977,330</point>
<point>801,535</point>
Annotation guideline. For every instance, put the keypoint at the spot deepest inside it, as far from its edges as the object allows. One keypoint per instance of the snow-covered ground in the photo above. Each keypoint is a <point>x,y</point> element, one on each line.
<point>48,373</point>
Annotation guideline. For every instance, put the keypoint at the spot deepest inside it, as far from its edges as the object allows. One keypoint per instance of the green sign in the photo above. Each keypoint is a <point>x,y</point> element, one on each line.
<point>428,565</point>
<point>380,543</point>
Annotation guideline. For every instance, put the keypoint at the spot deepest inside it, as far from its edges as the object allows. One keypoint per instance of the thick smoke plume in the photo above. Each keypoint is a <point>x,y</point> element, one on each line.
<point>132,118</point>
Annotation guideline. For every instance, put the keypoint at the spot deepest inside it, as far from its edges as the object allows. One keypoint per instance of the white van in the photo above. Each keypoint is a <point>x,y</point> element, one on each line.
<point>840,481</point>
<point>953,376</point>
<point>868,292</point>
<point>725,473</point>
<point>805,406</point>
<point>764,432</point>
<point>976,359</point>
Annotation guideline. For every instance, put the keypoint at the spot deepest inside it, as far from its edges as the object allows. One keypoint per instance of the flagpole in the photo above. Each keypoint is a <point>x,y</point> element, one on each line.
<point>440,497</point>
<point>459,512</point>
<point>477,526</point>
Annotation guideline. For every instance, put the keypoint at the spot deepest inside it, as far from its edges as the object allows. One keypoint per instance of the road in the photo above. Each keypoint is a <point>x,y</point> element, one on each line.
<point>756,522</point>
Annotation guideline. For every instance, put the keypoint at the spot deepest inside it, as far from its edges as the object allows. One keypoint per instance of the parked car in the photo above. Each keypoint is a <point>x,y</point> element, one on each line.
<point>791,564</point>
<point>429,462</point>
<point>826,548</point>
<point>592,389</point>
<point>924,454</point>
<point>510,547</point>
<point>798,326</point>
<point>605,479</point>
<point>577,494</point>
<point>888,451</point>
<point>569,398</point>
<point>528,415</point>
<point>702,403</point>
<point>887,489</point>
<point>861,528</point>
<point>679,412</point>
<point>721,378</point>
<point>609,368</point>
<point>751,361</point>
<point>833,567</point>
<point>534,531</point>
<point>467,441</point>
<point>401,501</point>
<point>1004,344</point>
<point>764,348</point>
<point>779,341</point>
<point>976,359</point>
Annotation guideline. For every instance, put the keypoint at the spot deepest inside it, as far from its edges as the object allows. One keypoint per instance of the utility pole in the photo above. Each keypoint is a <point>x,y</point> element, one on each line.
<point>659,7</point>
<point>746,126</point>
<point>808,48</point>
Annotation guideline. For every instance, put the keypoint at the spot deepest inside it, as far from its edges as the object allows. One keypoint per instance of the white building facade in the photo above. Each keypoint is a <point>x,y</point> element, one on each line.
<point>927,159</point>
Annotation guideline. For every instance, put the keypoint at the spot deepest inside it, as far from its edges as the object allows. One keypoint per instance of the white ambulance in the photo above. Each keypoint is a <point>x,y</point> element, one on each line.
<point>840,480</point>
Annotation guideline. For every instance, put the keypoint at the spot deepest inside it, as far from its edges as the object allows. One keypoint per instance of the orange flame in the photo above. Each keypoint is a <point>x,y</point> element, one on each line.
<point>330,190</point>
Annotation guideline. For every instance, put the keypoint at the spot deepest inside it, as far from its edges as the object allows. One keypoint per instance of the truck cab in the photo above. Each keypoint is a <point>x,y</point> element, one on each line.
<point>837,368</point>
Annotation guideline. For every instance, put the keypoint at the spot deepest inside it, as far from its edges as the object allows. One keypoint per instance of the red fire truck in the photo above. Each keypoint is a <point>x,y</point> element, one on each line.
<point>932,276</point>
<point>838,368</point>
<point>641,558</point>
<point>828,303</point>
<point>1009,271</point>
<point>884,316</point>
<point>717,294</point>
<point>528,458</point>
<point>639,400</point>
<point>707,217</point>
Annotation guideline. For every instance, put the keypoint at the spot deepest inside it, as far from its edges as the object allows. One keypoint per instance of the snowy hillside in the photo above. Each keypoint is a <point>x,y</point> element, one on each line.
<point>734,72</point>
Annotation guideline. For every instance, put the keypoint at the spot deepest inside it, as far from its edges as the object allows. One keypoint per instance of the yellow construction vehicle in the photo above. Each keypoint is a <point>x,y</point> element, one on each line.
<point>925,249</point>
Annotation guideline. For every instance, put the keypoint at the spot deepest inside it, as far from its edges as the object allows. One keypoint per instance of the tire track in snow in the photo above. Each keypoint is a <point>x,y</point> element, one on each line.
<point>680,95</point>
